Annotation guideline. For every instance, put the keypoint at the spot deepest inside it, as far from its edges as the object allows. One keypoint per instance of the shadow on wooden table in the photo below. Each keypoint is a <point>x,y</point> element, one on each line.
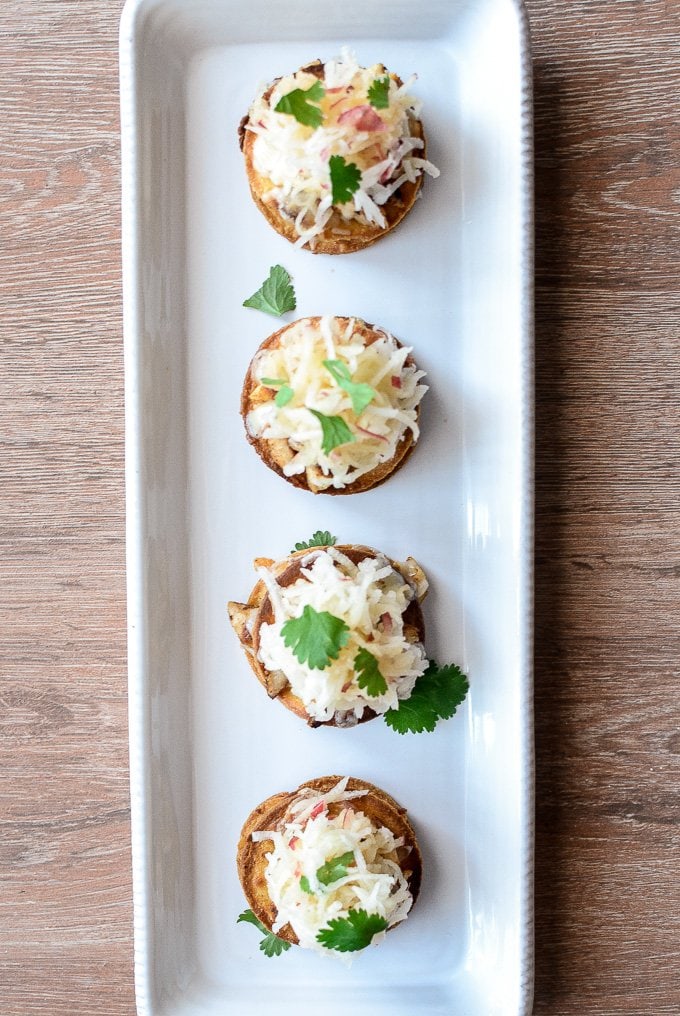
<point>552,721</point>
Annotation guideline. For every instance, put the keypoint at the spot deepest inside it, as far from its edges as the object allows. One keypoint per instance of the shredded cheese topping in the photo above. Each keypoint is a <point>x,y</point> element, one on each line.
<point>371,599</point>
<point>298,359</point>
<point>307,839</point>
<point>294,157</point>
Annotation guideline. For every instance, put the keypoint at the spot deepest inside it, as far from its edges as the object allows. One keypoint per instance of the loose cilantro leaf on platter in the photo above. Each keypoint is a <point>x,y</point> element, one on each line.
<point>305,886</point>
<point>276,294</point>
<point>321,538</point>
<point>336,868</point>
<point>368,674</point>
<point>379,93</point>
<point>436,696</point>
<point>271,944</point>
<point>361,394</point>
<point>334,431</point>
<point>345,179</point>
<point>299,103</point>
<point>316,637</point>
<point>351,933</point>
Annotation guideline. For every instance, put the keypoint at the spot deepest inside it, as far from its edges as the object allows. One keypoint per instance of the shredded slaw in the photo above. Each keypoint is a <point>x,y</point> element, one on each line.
<point>371,598</point>
<point>312,834</point>
<point>298,358</point>
<point>294,158</point>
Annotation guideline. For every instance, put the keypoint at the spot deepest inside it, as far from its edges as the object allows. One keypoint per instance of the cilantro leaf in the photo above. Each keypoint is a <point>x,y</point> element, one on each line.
<point>299,104</point>
<point>305,886</point>
<point>351,933</point>
<point>379,92</point>
<point>361,394</point>
<point>368,674</point>
<point>285,392</point>
<point>345,179</point>
<point>437,694</point>
<point>276,294</point>
<point>321,538</point>
<point>336,868</point>
<point>271,944</point>
<point>316,637</point>
<point>249,917</point>
<point>283,396</point>
<point>334,431</point>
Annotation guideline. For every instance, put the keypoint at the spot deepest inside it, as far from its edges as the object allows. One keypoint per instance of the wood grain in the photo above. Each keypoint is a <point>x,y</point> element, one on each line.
<point>607,79</point>
<point>65,884</point>
<point>607,518</point>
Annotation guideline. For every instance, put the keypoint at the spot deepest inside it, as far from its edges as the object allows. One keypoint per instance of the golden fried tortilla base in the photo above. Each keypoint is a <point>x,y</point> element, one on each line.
<point>251,858</point>
<point>248,618</point>
<point>355,235</point>
<point>276,453</point>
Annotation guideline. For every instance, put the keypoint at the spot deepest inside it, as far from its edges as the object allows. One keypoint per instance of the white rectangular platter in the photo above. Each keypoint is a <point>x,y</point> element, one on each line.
<point>453,281</point>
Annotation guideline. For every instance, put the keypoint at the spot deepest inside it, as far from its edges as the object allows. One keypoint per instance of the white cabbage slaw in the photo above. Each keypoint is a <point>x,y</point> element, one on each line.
<point>311,835</point>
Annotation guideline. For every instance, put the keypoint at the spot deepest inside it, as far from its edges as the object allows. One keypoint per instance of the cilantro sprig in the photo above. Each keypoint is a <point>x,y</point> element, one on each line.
<point>368,674</point>
<point>285,392</point>
<point>305,886</point>
<point>351,933</point>
<point>361,394</point>
<point>300,104</point>
<point>283,396</point>
<point>271,944</point>
<point>316,637</point>
<point>334,431</point>
<point>345,179</point>
<point>329,872</point>
<point>276,294</point>
<point>336,868</point>
<point>436,696</point>
<point>321,538</point>
<point>379,93</point>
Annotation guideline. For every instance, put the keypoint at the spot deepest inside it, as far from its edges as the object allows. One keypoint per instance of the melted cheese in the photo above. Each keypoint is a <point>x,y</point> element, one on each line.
<point>306,840</point>
<point>294,158</point>
<point>371,599</point>
<point>298,359</point>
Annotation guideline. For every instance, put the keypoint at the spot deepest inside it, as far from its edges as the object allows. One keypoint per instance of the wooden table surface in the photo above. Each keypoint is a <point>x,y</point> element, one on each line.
<point>607,98</point>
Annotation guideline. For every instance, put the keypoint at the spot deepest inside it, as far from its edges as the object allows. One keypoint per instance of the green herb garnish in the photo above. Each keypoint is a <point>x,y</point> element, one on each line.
<point>299,103</point>
<point>345,179</point>
<point>334,430</point>
<point>329,872</point>
<point>283,396</point>
<point>336,868</point>
<point>271,944</point>
<point>379,93</point>
<point>316,637</point>
<point>361,394</point>
<point>305,886</point>
<point>276,294</point>
<point>436,696</point>
<point>321,538</point>
<point>285,392</point>
<point>368,674</point>
<point>351,933</point>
